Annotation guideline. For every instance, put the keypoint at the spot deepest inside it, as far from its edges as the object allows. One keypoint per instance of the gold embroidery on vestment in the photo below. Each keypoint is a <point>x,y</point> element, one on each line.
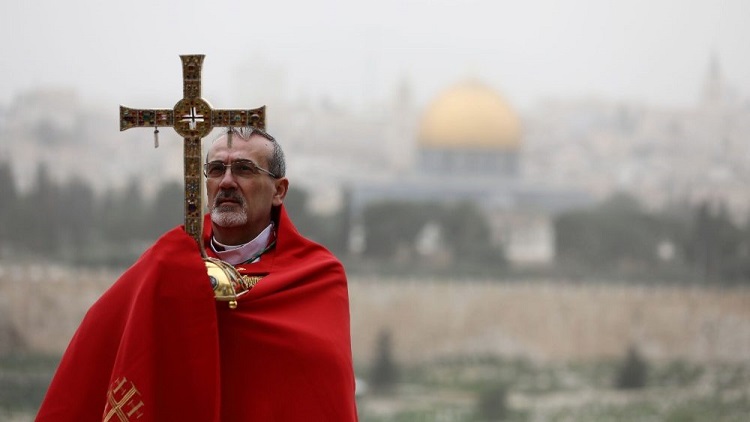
<point>123,401</point>
<point>249,281</point>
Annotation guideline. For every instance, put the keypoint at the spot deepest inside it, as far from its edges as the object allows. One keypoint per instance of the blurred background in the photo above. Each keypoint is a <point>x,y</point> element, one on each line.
<point>542,206</point>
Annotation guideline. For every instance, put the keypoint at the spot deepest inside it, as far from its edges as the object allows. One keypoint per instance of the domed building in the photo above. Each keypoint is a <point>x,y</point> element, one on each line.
<point>469,129</point>
<point>469,148</point>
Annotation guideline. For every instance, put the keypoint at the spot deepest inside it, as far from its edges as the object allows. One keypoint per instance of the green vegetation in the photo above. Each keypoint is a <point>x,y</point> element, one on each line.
<point>618,239</point>
<point>460,230</point>
<point>698,244</point>
<point>66,222</point>
<point>24,380</point>
<point>488,388</point>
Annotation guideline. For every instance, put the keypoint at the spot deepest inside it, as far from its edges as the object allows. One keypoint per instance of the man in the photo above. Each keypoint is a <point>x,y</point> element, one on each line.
<point>157,347</point>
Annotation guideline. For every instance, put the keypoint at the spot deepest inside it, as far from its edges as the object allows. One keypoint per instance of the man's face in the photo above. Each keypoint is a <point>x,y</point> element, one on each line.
<point>240,206</point>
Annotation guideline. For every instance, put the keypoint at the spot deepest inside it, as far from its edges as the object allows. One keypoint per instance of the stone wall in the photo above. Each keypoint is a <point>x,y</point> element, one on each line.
<point>41,306</point>
<point>44,304</point>
<point>550,320</point>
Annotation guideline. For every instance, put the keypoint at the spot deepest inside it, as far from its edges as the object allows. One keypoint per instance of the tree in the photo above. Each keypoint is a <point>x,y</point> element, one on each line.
<point>467,233</point>
<point>384,373</point>
<point>617,234</point>
<point>8,203</point>
<point>38,219</point>
<point>633,372</point>
<point>124,214</point>
<point>392,226</point>
<point>75,208</point>
<point>8,191</point>
<point>295,202</point>
<point>167,209</point>
<point>493,402</point>
<point>716,246</point>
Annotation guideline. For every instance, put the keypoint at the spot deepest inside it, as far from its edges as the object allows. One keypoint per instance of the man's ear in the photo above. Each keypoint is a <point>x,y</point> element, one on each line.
<point>282,187</point>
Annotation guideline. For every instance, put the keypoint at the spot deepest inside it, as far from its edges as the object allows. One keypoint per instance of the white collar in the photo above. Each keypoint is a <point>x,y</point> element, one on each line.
<point>250,251</point>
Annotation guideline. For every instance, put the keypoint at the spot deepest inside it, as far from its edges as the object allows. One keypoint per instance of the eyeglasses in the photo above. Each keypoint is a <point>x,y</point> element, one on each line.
<point>240,168</point>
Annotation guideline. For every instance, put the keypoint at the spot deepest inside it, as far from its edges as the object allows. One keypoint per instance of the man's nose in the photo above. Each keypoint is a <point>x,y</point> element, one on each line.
<point>228,180</point>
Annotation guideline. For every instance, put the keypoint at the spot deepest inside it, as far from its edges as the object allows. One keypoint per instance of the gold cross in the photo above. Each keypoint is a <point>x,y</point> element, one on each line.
<point>192,118</point>
<point>122,403</point>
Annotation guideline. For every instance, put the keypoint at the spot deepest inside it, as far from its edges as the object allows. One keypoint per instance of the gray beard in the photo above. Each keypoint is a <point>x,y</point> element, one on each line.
<point>226,218</point>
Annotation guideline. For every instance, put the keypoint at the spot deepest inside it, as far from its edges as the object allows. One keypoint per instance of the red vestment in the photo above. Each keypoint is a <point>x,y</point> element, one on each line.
<point>157,346</point>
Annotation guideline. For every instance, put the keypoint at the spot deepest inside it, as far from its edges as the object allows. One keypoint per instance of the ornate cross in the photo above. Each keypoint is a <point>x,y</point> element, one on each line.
<point>193,118</point>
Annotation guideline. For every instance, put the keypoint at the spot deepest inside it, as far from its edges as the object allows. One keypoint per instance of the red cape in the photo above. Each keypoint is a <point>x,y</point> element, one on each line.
<point>158,347</point>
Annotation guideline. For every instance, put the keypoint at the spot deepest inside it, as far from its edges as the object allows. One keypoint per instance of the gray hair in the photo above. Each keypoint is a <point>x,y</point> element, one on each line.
<point>276,162</point>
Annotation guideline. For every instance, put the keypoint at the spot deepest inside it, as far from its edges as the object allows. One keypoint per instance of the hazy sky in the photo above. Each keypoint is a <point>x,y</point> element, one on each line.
<point>349,51</point>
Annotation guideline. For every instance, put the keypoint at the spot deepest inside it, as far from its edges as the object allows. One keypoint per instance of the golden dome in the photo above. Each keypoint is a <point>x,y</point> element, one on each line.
<point>470,115</point>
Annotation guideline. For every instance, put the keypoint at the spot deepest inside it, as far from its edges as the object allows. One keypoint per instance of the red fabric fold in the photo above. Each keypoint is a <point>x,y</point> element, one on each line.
<point>157,346</point>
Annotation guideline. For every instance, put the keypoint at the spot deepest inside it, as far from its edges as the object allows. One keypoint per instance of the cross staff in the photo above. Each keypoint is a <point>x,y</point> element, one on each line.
<point>193,118</point>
